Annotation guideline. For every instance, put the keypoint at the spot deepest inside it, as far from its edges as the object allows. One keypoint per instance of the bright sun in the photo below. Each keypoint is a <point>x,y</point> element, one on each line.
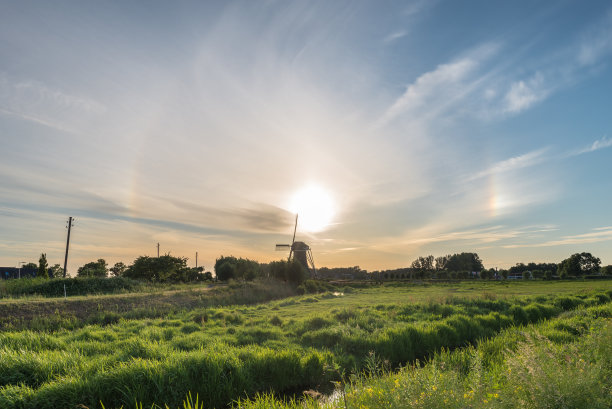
<point>314,206</point>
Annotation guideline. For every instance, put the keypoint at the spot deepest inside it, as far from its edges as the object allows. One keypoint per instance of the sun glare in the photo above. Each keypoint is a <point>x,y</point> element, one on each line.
<point>315,208</point>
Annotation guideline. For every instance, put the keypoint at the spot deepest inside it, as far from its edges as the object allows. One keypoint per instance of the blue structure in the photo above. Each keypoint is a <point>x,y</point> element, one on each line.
<point>13,272</point>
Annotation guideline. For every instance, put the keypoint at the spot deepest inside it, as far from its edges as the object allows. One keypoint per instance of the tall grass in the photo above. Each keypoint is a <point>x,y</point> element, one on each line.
<point>72,286</point>
<point>535,369</point>
<point>222,354</point>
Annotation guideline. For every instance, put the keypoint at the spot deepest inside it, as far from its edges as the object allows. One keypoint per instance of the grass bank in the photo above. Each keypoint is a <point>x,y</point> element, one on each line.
<point>55,314</point>
<point>562,363</point>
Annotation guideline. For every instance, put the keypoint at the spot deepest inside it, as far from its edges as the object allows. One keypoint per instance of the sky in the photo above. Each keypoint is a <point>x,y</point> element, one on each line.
<point>416,127</point>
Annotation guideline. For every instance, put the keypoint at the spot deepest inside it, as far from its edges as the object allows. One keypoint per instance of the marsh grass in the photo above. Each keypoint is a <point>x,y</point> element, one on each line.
<point>531,370</point>
<point>277,348</point>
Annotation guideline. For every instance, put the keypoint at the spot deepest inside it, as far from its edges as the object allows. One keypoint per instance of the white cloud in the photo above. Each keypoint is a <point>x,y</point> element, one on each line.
<point>34,101</point>
<point>602,143</point>
<point>518,162</point>
<point>598,235</point>
<point>394,36</point>
<point>522,95</point>
<point>430,85</point>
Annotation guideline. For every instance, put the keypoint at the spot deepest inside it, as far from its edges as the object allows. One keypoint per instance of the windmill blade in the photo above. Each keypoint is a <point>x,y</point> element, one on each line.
<point>282,247</point>
<point>293,240</point>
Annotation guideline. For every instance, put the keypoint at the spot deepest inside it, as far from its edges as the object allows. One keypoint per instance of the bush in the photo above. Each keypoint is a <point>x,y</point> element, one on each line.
<point>292,271</point>
<point>93,269</point>
<point>239,268</point>
<point>74,286</point>
<point>225,271</point>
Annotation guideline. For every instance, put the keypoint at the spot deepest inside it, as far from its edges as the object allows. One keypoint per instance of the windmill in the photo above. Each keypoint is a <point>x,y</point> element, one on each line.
<point>300,251</point>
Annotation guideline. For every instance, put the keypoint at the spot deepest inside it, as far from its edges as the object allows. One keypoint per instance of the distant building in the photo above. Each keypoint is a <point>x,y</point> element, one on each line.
<point>13,272</point>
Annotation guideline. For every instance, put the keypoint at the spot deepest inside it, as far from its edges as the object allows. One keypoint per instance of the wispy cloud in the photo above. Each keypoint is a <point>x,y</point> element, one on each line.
<point>602,143</point>
<point>430,87</point>
<point>523,94</point>
<point>486,235</point>
<point>394,36</point>
<point>537,157</point>
<point>518,162</point>
<point>597,235</point>
<point>596,42</point>
<point>496,89</point>
<point>36,102</point>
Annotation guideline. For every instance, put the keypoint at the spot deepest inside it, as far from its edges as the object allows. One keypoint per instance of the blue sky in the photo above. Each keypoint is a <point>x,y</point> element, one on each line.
<point>435,127</point>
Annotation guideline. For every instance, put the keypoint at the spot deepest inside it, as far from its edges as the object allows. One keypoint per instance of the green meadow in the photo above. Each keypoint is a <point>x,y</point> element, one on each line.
<point>340,343</point>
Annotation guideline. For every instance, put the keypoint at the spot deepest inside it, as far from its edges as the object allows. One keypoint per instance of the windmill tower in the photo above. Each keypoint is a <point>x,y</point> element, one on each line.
<point>300,251</point>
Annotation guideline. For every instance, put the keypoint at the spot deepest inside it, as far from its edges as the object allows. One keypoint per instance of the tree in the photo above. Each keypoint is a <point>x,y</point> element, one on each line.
<point>296,272</point>
<point>225,271</point>
<point>441,262</point>
<point>292,271</point>
<point>464,262</point>
<point>163,269</point>
<point>607,270</point>
<point>423,263</point>
<point>579,264</point>
<point>43,266</point>
<point>56,271</point>
<point>118,269</point>
<point>93,269</point>
<point>242,268</point>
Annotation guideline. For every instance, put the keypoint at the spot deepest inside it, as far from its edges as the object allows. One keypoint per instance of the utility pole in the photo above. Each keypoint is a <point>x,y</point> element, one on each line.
<point>196,259</point>
<point>67,244</point>
<point>157,250</point>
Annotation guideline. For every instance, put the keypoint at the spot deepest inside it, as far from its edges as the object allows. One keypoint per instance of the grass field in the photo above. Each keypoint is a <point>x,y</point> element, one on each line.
<point>226,353</point>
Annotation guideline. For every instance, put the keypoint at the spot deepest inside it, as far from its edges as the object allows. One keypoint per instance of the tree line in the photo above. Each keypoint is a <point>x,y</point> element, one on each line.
<point>469,265</point>
<point>464,265</point>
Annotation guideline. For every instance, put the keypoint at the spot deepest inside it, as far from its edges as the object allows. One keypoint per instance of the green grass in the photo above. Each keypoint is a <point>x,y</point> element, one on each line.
<point>562,363</point>
<point>222,354</point>
<point>41,287</point>
<point>74,312</point>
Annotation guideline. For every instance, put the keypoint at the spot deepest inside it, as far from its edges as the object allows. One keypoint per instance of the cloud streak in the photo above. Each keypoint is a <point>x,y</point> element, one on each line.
<point>602,143</point>
<point>599,234</point>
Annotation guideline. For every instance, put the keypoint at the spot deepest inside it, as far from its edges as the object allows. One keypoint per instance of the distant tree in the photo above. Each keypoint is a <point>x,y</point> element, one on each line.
<point>519,268</point>
<point>225,271</point>
<point>504,273</point>
<point>30,266</point>
<point>93,269</point>
<point>296,272</point>
<point>464,262</point>
<point>56,271</point>
<point>292,271</point>
<point>118,269</point>
<point>207,276</point>
<point>242,268</point>
<point>165,268</point>
<point>579,264</point>
<point>43,266</point>
<point>278,270</point>
<point>423,264</point>
<point>607,270</point>
<point>441,262</point>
